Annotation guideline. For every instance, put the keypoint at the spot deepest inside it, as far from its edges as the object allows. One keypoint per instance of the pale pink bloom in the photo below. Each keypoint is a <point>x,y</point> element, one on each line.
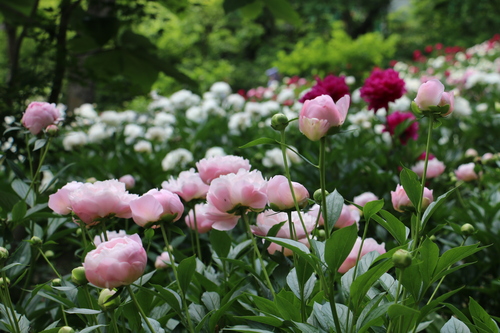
<point>487,156</point>
<point>280,197</point>
<point>348,216</point>
<point>92,201</point>
<point>59,202</point>
<point>128,180</point>
<point>115,263</point>
<point>315,211</point>
<point>466,172</point>
<point>39,115</point>
<point>400,200</point>
<point>245,189</point>
<point>188,185</point>
<point>203,222</point>
<point>268,219</point>
<point>434,168</point>
<point>320,114</point>
<point>98,239</point>
<point>432,93</point>
<point>214,167</point>
<point>163,261</point>
<point>369,245</point>
<point>364,198</point>
<point>471,152</point>
<point>156,205</point>
<point>221,220</point>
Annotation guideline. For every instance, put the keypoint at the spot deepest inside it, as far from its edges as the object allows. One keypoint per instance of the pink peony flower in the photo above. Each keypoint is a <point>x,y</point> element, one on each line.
<point>315,211</point>
<point>156,205</point>
<point>432,93</point>
<point>466,172</point>
<point>213,167</point>
<point>382,87</point>
<point>128,180</point>
<point>163,261</point>
<point>203,222</point>
<point>331,85</point>
<point>59,202</point>
<point>401,202</point>
<point>116,263</point>
<point>369,245</point>
<point>434,168</point>
<point>280,197</point>
<point>39,115</point>
<point>98,239</point>
<point>266,220</point>
<point>348,216</point>
<point>364,198</point>
<point>320,114</point>
<point>398,117</point>
<point>92,201</point>
<point>188,186</point>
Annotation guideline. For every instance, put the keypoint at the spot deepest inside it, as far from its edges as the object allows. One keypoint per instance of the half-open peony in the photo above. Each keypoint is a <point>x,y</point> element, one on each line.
<point>39,115</point>
<point>431,94</point>
<point>188,185</point>
<point>369,245</point>
<point>321,114</point>
<point>280,196</point>
<point>466,172</point>
<point>214,167</point>
<point>115,263</point>
<point>155,206</point>
<point>401,201</point>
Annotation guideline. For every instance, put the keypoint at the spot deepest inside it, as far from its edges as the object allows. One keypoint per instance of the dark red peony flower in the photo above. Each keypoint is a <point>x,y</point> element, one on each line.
<point>331,85</point>
<point>422,157</point>
<point>398,117</point>
<point>382,87</point>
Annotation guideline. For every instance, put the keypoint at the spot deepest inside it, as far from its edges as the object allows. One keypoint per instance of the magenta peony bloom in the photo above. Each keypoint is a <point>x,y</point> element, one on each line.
<point>266,220</point>
<point>115,263</point>
<point>188,186</point>
<point>331,85</point>
<point>213,167</point>
<point>369,245</point>
<point>466,172</point>
<point>382,87</point>
<point>280,197</point>
<point>156,205</point>
<point>396,118</point>
<point>319,115</point>
<point>401,201</point>
<point>434,168</point>
<point>203,222</point>
<point>93,201</point>
<point>432,93</point>
<point>39,115</point>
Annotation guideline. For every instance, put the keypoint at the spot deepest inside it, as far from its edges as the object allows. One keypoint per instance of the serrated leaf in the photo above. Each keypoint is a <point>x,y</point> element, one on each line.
<point>339,245</point>
<point>260,141</point>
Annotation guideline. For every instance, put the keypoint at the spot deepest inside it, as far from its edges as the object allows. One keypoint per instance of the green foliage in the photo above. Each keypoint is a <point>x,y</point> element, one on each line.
<point>337,53</point>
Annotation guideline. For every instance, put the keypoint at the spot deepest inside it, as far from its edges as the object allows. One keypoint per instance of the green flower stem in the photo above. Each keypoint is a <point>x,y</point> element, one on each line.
<point>50,264</point>
<point>330,289</point>
<point>113,321</point>
<point>34,177</point>
<point>293,235</point>
<point>174,269</point>
<point>322,177</point>
<point>257,252</point>
<point>287,174</point>
<point>91,305</point>
<point>417,230</point>
<point>399,272</point>
<point>196,234</point>
<point>29,154</point>
<point>7,301</point>
<point>138,306</point>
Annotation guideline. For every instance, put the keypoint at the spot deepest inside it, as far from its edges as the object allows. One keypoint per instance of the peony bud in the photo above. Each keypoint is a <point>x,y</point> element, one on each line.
<point>36,241</point>
<point>467,230</point>
<point>104,301</point>
<point>318,196</point>
<point>401,259</point>
<point>52,130</point>
<point>279,122</point>
<point>78,276</point>
<point>6,282</point>
<point>4,254</point>
<point>66,329</point>
<point>49,253</point>
<point>56,282</point>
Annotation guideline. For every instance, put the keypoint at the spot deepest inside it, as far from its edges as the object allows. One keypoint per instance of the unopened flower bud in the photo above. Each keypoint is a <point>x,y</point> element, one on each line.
<point>91,180</point>
<point>56,282</point>
<point>52,130</point>
<point>104,301</point>
<point>318,196</point>
<point>49,253</point>
<point>78,276</point>
<point>36,241</point>
<point>66,329</point>
<point>321,234</point>
<point>401,258</point>
<point>4,254</point>
<point>279,122</point>
<point>467,229</point>
<point>5,283</point>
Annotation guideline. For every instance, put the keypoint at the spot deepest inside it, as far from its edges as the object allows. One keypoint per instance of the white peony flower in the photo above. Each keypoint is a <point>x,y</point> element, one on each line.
<point>160,134</point>
<point>177,158</point>
<point>143,146</point>
<point>74,139</point>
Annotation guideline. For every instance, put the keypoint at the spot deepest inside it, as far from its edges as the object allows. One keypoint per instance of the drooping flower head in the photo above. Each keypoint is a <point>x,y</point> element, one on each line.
<point>382,87</point>
<point>398,117</point>
<point>320,114</point>
<point>331,85</point>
